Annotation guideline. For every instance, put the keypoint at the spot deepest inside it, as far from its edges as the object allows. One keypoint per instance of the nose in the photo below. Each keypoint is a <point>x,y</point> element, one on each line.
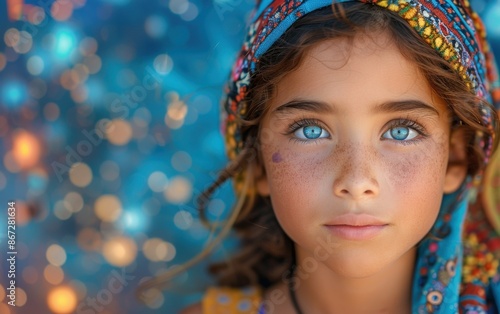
<point>356,174</point>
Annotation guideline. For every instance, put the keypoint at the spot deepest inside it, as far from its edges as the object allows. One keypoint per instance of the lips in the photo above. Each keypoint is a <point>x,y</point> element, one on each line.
<point>356,226</point>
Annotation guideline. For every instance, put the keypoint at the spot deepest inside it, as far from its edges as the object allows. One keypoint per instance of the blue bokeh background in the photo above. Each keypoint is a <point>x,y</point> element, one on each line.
<point>89,209</point>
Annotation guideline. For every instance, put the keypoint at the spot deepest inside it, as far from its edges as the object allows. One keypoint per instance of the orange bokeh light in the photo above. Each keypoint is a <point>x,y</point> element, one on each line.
<point>15,9</point>
<point>62,300</point>
<point>26,150</point>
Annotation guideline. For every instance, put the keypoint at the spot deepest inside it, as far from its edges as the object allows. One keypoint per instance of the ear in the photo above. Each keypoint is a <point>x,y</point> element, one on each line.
<point>261,183</point>
<point>457,162</point>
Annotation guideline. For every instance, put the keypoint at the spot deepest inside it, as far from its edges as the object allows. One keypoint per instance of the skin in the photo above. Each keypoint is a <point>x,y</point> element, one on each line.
<point>356,166</point>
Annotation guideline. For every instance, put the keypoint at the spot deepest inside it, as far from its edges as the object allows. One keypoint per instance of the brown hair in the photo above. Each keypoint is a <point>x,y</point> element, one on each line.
<point>266,251</point>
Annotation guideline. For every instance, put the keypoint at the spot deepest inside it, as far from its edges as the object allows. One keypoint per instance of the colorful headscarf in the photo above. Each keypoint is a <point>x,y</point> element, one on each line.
<point>459,272</point>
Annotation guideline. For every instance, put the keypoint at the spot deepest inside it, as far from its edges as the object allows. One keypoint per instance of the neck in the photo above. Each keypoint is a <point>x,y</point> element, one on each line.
<point>326,291</point>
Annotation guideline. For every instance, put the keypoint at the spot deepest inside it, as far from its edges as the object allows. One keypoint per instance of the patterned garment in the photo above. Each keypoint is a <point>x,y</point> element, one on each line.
<point>224,300</point>
<point>458,274</point>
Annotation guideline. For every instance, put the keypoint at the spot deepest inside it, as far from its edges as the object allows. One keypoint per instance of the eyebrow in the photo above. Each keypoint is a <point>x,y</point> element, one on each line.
<point>385,107</point>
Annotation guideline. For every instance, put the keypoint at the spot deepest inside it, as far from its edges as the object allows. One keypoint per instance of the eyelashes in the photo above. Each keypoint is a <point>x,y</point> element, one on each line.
<point>402,131</point>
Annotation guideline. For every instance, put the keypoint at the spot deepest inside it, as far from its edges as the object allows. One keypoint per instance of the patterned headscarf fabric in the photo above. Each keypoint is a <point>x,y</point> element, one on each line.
<point>456,271</point>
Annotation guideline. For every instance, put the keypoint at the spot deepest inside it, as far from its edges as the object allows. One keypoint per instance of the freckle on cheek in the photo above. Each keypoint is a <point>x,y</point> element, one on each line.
<point>277,157</point>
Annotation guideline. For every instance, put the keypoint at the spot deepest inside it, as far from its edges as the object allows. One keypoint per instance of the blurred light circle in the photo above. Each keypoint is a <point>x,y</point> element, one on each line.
<point>4,308</point>
<point>178,6</point>
<point>191,12</point>
<point>82,72</point>
<point>62,300</point>
<point>79,3</point>
<point>155,26</point>
<point>79,94</point>
<point>171,252</point>
<point>35,65</point>
<point>93,63</point>
<point>51,111</point>
<point>62,42</point>
<point>172,97</point>
<point>21,297</point>
<point>69,79</point>
<point>3,61</point>
<point>153,298</point>
<point>30,276</point>
<point>13,93</point>
<point>61,211</point>
<point>173,123</point>
<point>163,64</point>
<point>181,161</point>
<point>53,274</point>
<point>177,110</point>
<point>24,44</point>
<point>155,249</point>
<point>183,219</point>
<point>133,221</point>
<point>120,251</point>
<point>88,46</point>
<point>56,255</point>
<point>74,201</point>
<point>178,190</point>
<point>36,15</point>
<point>61,10</point>
<point>10,163</point>
<point>12,37</point>
<point>157,181</point>
<point>26,150</point>
<point>119,132</point>
<point>109,170</point>
<point>89,239</point>
<point>80,174</point>
<point>108,208</point>
<point>28,113</point>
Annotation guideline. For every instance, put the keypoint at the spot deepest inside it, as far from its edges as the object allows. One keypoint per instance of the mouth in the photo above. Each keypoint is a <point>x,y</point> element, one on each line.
<point>356,226</point>
<point>348,232</point>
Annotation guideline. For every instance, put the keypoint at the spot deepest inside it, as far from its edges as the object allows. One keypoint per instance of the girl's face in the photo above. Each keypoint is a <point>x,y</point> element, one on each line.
<point>355,149</point>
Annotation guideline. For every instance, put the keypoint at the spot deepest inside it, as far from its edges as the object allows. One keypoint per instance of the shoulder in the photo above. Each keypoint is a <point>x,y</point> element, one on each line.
<point>193,309</point>
<point>231,300</point>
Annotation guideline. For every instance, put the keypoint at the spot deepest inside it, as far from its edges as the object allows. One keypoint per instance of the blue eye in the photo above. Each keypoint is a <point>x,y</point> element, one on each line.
<point>401,133</point>
<point>311,132</point>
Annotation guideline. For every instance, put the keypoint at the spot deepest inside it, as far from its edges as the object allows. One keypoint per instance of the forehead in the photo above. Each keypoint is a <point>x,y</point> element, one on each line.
<point>357,74</point>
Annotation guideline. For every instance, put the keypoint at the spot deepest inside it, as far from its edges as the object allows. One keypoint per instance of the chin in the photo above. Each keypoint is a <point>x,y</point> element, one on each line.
<point>357,265</point>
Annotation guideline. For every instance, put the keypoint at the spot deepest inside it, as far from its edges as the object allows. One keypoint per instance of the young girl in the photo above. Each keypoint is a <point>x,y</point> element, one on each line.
<point>357,132</point>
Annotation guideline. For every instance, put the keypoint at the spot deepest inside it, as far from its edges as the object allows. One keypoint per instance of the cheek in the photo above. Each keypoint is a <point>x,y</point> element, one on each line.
<point>295,181</point>
<point>416,188</point>
<point>417,170</point>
